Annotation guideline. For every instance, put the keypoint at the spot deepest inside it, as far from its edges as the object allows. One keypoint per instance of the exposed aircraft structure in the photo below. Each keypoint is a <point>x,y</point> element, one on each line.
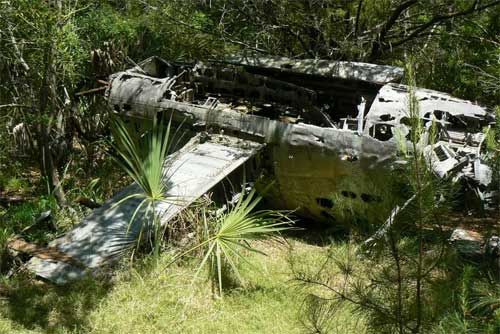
<point>321,129</point>
<point>328,126</point>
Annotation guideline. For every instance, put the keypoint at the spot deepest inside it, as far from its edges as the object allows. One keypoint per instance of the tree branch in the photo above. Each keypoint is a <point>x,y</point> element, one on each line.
<point>441,18</point>
<point>15,105</point>
<point>358,14</point>
<point>17,51</point>
<point>380,40</point>
<point>227,36</point>
<point>382,43</point>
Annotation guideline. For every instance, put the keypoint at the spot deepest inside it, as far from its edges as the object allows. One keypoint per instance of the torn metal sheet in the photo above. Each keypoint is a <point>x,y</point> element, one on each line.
<point>459,125</point>
<point>330,128</point>
<point>467,242</point>
<point>379,74</point>
<point>107,232</point>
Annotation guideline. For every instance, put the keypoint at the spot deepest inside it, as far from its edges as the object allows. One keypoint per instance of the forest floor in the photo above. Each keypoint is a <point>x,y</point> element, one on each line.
<point>151,297</point>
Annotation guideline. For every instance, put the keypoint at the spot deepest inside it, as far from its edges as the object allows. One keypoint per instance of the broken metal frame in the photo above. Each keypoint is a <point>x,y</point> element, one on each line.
<point>309,153</point>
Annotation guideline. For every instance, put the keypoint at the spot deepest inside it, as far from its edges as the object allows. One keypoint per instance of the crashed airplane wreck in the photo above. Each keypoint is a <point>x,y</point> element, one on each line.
<point>318,128</point>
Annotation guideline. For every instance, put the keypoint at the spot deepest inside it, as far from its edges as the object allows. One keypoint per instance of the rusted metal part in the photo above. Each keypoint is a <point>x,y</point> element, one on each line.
<point>46,253</point>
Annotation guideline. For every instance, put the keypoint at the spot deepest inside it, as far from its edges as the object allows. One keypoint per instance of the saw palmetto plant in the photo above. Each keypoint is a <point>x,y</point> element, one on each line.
<point>142,157</point>
<point>229,234</point>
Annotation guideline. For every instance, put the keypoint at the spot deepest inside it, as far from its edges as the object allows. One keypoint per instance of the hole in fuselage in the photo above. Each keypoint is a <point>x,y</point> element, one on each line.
<point>381,132</point>
<point>386,117</point>
<point>371,198</point>
<point>348,194</point>
<point>324,202</point>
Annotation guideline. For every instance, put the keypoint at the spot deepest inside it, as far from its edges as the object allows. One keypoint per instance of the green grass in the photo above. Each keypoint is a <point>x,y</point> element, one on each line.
<point>151,299</point>
<point>15,184</point>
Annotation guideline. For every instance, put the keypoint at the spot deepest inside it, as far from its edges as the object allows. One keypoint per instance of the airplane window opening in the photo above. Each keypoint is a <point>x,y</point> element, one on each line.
<point>370,198</point>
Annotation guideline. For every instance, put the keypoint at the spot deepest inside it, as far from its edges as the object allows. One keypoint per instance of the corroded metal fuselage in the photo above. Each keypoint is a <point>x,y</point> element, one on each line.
<point>331,128</point>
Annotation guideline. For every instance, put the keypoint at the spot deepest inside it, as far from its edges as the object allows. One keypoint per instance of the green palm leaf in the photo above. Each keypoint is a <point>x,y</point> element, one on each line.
<point>142,157</point>
<point>233,230</point>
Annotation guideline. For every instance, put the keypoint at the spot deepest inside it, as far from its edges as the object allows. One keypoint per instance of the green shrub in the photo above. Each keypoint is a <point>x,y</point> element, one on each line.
<point>477,305</point>
<point>230,233</point>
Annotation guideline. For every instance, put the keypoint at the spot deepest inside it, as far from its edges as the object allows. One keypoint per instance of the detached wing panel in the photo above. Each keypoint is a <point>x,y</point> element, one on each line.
<point>107,233</point>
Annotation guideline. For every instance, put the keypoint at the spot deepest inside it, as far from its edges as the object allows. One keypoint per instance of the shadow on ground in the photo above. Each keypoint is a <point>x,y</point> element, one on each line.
<point>317,233</point>
<point>37,305</point>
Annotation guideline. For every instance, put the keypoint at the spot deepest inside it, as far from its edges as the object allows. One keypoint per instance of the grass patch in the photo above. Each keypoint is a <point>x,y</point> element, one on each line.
<point>148,298</point>
<point>158,300</point>
<point>40,307</point>
<point>16,184</point>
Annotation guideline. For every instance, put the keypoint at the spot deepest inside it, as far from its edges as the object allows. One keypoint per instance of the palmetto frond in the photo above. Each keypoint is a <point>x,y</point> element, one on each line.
<point>232,232</point>
<point>142,157</point>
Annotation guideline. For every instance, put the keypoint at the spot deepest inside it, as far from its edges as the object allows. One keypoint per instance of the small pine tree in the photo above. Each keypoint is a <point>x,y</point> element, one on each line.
<point>392,287</point>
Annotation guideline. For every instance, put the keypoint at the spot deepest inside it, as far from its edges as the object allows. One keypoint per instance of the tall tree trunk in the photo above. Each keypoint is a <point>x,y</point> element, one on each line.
<point>49,171</point>
<point>47,167</point>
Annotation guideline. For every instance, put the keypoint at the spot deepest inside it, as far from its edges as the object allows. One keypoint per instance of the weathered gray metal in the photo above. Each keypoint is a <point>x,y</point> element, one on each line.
<point>105,235</point>
<point>349,70</point>
<point>327,131</point>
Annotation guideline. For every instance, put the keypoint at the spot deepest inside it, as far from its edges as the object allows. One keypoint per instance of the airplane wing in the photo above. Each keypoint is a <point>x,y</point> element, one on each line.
<point>107,233</point>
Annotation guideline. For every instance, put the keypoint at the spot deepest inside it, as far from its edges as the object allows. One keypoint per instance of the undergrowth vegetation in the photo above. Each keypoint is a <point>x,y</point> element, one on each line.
<point>147,298</point>
<point>229,233</point>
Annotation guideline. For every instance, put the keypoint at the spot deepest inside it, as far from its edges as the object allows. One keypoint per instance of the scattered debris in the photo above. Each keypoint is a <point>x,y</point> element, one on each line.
<point>473,245</point>
<point>382,231</point>
<point>492,247</point>
<point>468,243</point>
<point>87,202</point>
<point>44,216</point>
